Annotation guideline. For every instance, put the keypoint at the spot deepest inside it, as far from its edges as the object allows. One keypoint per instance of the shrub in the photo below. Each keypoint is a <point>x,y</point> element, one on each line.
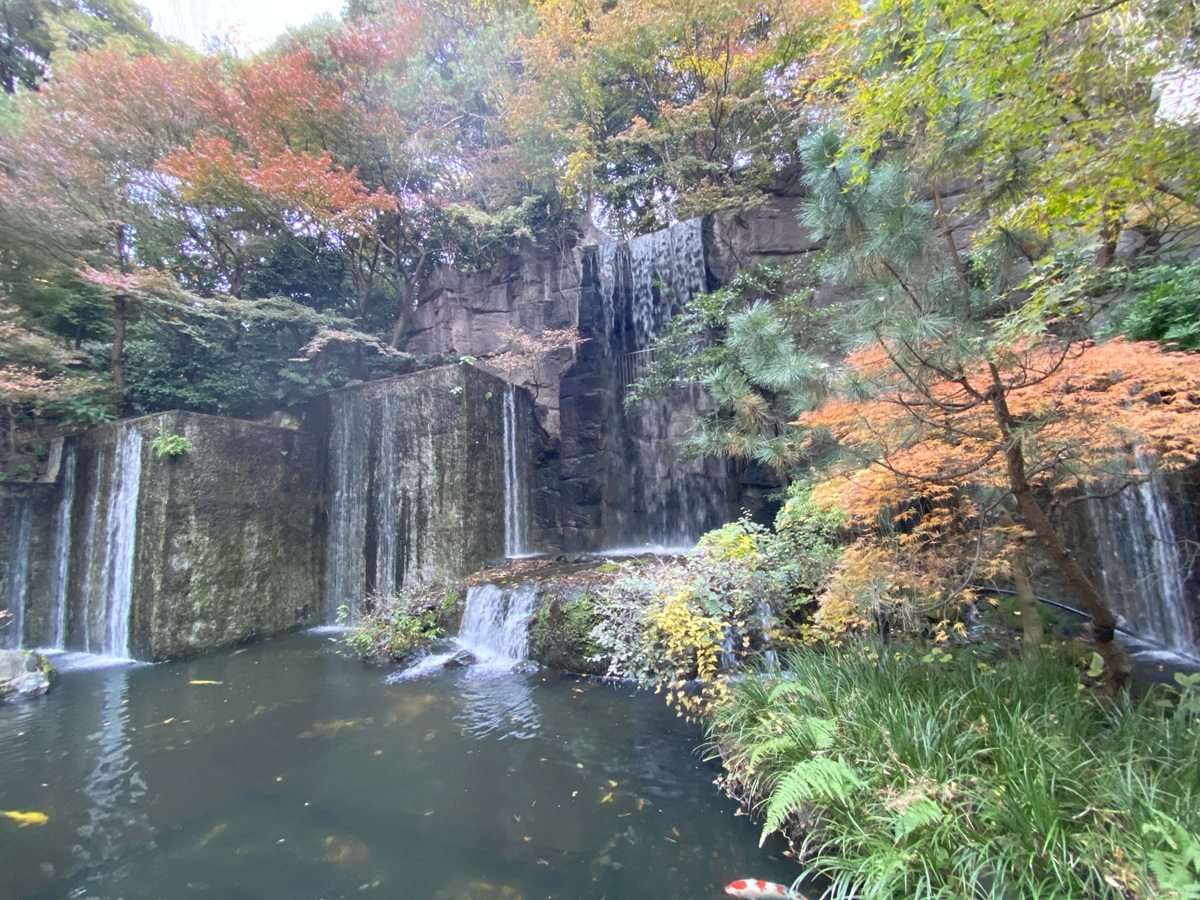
<point>396,626</point>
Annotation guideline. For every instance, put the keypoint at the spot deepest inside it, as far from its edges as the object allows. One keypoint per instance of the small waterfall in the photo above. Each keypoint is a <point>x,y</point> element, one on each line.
<point>516,477</point>
<point>92,593</point>
<point>16,580</point>
<point>345,562</point>
<point>120,544</point>
<point>495,630</point>
<point>495,625</point>
<point>1143,566</point>
<point>60,574</point>
<point>387,538</point>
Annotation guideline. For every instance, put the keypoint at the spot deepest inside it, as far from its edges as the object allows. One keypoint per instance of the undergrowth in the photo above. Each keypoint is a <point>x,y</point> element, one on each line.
<point>968,778</point>
<point>395,626</point>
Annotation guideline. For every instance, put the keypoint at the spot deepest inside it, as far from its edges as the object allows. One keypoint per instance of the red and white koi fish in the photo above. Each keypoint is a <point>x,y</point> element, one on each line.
<point>753,889</point>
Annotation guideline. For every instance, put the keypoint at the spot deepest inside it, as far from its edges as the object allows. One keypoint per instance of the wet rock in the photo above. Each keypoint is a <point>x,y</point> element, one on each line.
<point>526,668</point>
<point>461,660</point>
<point>23,675</point>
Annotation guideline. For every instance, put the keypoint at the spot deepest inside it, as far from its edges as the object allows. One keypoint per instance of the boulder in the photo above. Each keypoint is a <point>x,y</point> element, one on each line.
<point>461,660</point>
<point>23,674</point>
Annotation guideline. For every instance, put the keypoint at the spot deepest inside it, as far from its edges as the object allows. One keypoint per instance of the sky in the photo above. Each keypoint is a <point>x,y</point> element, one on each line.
<point>252,24</point>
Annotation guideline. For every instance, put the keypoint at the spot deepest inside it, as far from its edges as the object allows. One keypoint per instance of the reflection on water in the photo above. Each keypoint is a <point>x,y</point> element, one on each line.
<point>114,814</point>
<point>497,706</point>
<point>287,771</point>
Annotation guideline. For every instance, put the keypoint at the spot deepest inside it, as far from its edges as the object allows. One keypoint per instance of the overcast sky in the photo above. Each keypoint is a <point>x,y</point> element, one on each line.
<point>252,23</point>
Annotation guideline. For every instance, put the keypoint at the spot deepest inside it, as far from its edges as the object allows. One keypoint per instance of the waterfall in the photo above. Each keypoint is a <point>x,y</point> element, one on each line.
<point>16,580</point>
<point>516,477</point>
<point>495,630</point>
<point>60,574</point>
<point>121,543</point>
<point>1143,566</point>
<point>495,625</point>
<point>345,562</point>
<point>668,502</point>
<point>386,536</point>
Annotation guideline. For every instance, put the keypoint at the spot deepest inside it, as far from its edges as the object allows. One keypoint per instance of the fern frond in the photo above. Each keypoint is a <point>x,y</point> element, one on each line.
<point>816,780</point>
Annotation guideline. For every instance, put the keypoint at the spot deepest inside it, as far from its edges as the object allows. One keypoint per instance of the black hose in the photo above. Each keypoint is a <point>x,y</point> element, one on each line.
<point>1071,609</point>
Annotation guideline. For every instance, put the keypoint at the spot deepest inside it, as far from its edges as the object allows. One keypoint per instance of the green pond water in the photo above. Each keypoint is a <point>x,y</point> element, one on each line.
<point>303,773</point>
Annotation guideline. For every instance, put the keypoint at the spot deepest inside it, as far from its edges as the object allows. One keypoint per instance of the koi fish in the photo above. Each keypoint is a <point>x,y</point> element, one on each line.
<point>25,819</point>
<point>753,889</point>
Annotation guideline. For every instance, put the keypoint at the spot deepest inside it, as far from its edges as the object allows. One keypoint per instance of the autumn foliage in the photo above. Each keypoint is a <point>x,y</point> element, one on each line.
<point>1082,409</point>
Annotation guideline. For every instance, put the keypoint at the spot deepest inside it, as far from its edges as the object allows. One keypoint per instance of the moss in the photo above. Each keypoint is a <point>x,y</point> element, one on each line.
<point>562,634</point>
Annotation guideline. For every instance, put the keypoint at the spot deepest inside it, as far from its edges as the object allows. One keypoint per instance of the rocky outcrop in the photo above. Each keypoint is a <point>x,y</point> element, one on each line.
<point>467,313</point>
<point>23,675</point>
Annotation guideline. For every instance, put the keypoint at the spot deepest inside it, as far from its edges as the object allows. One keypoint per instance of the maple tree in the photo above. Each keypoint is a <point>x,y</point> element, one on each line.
<point>1046,424</point>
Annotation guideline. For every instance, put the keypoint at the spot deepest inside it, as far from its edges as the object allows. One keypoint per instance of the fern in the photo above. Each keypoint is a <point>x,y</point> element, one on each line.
<point>786,688</point>
<point>920,813</point>
<point>820,779</point>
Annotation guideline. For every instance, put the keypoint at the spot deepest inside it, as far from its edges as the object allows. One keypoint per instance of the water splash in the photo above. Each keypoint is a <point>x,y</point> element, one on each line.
<point>16,581</point>
<point>495,630</point>
<point>495,625</point>
<point>516,477</point>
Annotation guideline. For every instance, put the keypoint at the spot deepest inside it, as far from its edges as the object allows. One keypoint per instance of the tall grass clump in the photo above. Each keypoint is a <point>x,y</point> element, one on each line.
<point>952,776</point>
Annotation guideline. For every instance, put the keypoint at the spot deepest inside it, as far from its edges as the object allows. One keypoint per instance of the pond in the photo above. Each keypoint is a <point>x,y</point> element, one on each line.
<point>287,770</point>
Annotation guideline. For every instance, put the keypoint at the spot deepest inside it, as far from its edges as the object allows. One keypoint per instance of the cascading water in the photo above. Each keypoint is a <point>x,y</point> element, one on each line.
<point>671,501</point>
<point>1143,567</point>
<point>16,581</point>
<point>345,563</point>
<point>120,545</point>
<point>110,542</point>
<point>495,630</point>
<point>387,538</point>
<point>516,477</point>
<point>60,574</point>
<point>495,625</point>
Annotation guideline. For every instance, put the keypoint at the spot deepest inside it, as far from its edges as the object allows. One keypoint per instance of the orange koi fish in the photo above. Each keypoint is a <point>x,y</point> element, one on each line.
<point>753,889</point>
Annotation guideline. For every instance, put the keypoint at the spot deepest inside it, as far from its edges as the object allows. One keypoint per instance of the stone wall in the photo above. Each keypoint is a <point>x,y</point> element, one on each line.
<point>414,481</point>
<point>225,537</point>
<point>26,543</point>
<point>229,540</point>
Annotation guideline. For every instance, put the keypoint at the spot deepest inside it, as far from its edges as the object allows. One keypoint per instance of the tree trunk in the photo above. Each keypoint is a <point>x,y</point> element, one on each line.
<point>409,300</point>
<point>1032,634</point>
<point>1104,623</point>
<point>120,323</point>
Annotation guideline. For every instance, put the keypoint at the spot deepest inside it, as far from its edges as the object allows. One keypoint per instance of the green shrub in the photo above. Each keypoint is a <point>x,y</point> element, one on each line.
<point>1167,308</point>
<point>169,444</point>
<point>396,626</point>
<point>968,779</point>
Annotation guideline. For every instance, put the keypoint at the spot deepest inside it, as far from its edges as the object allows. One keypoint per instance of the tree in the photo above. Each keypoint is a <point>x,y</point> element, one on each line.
<point>31,31</point>
<point>663,109</point>
<point>1046,423</point>
<point>1050,104</point>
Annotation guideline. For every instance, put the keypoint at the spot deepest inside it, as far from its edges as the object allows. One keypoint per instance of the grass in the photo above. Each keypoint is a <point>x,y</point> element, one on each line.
<point>926,777</point>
